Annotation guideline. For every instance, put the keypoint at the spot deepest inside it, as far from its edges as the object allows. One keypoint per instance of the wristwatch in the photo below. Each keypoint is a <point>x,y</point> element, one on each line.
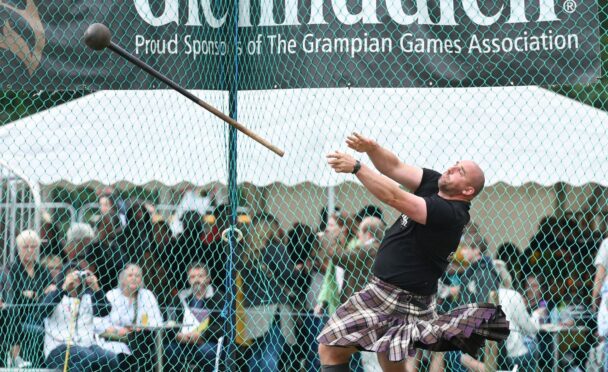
<point>356,167</point>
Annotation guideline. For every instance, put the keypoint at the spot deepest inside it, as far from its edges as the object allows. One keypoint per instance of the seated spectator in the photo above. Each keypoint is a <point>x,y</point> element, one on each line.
<point>53,264</point>
<point>198,310</point>
<point>521,344</point>
<point>132,306</point>
<point>601,264</point>
<point>68,314</point>
<point>534,293</point>
<point>78,237</point>
<point>28,283</point>
<point>602,320</point>
<point>100,256</point>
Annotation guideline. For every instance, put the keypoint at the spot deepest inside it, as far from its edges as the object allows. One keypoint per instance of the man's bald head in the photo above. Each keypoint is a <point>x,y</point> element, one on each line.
<point>475,175</point>
<point>464,180</point>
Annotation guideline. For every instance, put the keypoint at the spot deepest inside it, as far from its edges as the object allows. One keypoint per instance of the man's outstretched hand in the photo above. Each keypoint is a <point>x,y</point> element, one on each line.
<point>359,143</point>
<point>341,162</point>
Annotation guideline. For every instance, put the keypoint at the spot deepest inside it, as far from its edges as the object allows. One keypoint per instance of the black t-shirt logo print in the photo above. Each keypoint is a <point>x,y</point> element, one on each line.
<point>404,220</point>
<point>451,256</point>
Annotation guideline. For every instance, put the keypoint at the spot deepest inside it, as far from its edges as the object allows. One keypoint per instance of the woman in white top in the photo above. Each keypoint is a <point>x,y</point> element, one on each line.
<point>133,309</point>
<point>521,344</point>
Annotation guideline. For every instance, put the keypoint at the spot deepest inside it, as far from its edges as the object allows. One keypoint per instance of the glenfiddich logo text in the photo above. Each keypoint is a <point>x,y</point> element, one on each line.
<point>368,14</point>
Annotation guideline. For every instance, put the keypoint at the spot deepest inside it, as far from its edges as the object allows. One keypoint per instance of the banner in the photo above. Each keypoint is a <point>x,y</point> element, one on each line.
<point>284,44</point>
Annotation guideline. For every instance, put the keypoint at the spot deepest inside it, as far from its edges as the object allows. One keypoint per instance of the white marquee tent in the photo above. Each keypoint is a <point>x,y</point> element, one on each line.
<point>517,134</point>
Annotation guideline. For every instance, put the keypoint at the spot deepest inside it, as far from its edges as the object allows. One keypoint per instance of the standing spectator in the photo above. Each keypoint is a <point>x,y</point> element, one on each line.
<point>352,224</point>
<point>315,266</point>
<point>521,344</point>
<point>107,206</point>
<point>543,240</point>
<point>510,254</point>
<point>300,243</point>
<point>264,269</point>
<point>3,315</point>
<point>104,256</point>
<point>158,264</point>
<point>325,216</point>
<point>357,263</point>
<point>28,283</point>
<point>332,241</point>
<point>68,314</point>
<point>190,245</point>
<point>50,242</point>
<point>477,282</point>
<point>136,236</point>
<point>601,264</point>
<point>199,311</point>
<point>132,306</point>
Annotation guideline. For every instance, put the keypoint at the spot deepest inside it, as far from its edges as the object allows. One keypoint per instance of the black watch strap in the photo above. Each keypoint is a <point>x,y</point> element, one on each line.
<point>356,167</point>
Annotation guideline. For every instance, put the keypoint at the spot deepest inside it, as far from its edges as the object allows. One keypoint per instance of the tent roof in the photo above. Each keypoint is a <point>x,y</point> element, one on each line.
<point>517,134</point>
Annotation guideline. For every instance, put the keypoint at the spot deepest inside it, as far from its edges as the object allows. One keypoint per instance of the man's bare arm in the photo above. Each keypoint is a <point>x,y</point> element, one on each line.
<point>386,161</point>
<point>382,187</point>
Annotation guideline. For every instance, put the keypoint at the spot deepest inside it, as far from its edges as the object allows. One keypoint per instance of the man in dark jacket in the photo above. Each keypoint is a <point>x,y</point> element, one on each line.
<point>198,309</point>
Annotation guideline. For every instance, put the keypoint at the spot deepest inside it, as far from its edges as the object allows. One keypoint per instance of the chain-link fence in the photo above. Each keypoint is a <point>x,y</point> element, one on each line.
<point>139,232</point>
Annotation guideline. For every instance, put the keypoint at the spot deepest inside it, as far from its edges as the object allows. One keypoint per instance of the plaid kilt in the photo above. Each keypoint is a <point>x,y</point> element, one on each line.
<point>384,318</point>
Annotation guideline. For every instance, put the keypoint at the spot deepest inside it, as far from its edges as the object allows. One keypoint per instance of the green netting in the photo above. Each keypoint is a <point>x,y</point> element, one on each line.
<point>140,232</point>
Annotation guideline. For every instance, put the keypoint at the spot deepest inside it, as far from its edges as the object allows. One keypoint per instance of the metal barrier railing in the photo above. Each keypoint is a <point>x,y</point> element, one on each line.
<point>17,217</point>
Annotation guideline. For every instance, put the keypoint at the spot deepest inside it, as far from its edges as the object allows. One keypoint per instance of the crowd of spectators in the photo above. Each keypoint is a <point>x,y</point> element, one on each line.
<point>101,291</point>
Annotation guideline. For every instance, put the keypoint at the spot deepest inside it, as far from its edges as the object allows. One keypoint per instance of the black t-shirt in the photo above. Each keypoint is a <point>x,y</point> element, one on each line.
<point>413,256</point>
<point>20,281</point>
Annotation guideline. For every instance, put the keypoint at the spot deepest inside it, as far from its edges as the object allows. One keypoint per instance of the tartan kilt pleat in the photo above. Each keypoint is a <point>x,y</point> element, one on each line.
<point>384,318</point>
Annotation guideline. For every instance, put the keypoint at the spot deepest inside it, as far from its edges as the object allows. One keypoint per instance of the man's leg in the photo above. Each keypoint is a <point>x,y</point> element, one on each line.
<point>453,361</point>
<point>388,366</point>
<point>176,356</point>
<point>104,359</point>
<point>205,356</point>
<point>313,325</point>
<point>78,360</point>
<point>266,352</point>
<point>412,364</point>
<point>436,362</point>
<point>335,358</point>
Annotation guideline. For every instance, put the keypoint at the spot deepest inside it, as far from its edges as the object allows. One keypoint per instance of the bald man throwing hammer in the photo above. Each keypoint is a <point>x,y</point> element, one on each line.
<point>395,312</point>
